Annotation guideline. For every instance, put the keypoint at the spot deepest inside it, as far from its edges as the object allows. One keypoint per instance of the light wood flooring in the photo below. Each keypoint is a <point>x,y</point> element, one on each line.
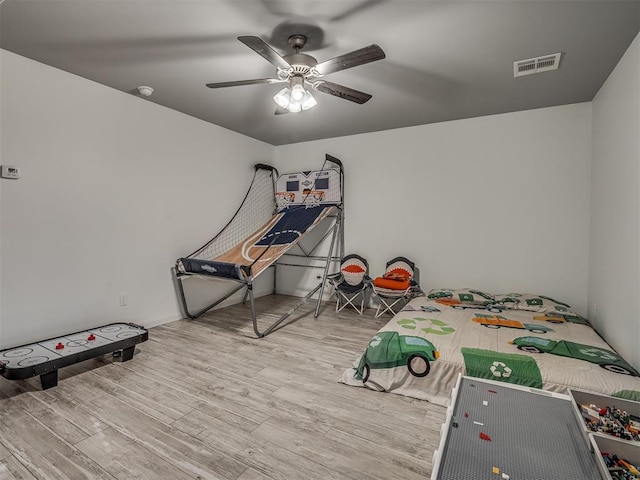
<point>204,399</point>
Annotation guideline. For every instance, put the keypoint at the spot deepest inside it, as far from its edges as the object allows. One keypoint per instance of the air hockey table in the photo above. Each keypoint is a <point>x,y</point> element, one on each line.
<point>46,357</point>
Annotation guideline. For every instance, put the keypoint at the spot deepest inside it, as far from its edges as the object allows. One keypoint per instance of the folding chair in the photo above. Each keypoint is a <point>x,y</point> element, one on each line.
<point>396,286</point>
<point>351,282</point>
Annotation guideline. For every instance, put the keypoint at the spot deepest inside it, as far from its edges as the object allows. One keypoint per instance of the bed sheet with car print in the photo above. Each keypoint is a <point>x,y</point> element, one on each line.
<point>525,339</point>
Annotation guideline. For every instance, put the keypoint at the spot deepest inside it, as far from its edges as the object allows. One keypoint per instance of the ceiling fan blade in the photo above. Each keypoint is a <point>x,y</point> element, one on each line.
<point>342,91</point>
<point>349,60</point>
<point>280,111</point>
<point>262,48</point>
<point>237,83</point>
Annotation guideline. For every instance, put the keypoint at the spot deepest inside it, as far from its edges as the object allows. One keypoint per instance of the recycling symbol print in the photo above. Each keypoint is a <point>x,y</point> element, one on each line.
<point>500,370</point>
<point>427,325</point>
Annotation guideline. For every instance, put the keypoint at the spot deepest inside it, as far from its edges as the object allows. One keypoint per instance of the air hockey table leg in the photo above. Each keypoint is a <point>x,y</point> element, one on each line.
<point>127,353</point>
<point>49,379</point>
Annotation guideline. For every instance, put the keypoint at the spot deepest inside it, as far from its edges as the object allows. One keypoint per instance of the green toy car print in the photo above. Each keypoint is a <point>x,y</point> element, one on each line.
<point>491,307</point>
<point>486,296</point>
<point>429,308</point>
<point>600,356</point>
<point>558,303</point>
<point>390,349</point>
<point>441,294</point>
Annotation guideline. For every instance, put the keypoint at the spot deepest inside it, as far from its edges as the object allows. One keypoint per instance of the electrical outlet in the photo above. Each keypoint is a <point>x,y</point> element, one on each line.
<point>123,299</point>
<point>592,313</point>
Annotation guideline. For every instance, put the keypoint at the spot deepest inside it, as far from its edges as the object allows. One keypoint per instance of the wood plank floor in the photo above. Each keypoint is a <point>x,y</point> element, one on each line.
<point>204,399</point>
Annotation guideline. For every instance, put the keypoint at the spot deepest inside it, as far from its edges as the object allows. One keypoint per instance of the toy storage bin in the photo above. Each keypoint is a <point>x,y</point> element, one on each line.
<point>629,451</point>
<point>579,398</point>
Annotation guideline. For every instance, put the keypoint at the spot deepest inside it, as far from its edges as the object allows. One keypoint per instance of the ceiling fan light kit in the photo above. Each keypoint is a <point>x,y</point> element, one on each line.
<point>297,93</point>
<point>295,97</point>
<point>294,100</point>
<point>302,72</point>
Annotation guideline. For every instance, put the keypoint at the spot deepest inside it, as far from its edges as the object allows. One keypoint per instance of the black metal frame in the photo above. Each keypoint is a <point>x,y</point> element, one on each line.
<point>349,297</point>
<point>337,236</point>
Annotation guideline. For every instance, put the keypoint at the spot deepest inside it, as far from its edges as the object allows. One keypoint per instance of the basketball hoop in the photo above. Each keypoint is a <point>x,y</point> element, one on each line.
<point>284,199</point>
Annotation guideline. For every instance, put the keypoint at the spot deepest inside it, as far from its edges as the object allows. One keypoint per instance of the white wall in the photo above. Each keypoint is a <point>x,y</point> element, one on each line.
<point>499,203</point>
<point>114,189</point>
<point>614,261</point>
<point>109,199</point>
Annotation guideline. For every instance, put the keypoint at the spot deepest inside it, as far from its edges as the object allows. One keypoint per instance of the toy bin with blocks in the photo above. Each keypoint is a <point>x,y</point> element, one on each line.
<point>606,415</point>
<point>618,459</point>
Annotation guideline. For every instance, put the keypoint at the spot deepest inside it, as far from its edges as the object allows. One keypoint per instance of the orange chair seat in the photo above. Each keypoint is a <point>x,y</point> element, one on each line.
<point>391,283</point>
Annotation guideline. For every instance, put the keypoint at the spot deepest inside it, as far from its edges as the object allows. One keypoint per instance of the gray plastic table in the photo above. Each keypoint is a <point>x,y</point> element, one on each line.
<point>498,431</point>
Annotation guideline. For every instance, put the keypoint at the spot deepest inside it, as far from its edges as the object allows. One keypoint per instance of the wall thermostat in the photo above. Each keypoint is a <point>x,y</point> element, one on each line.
<point>7,171</point>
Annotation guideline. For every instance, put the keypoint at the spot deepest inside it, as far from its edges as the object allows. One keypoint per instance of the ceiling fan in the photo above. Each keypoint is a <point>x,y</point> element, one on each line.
<point>302,73</point>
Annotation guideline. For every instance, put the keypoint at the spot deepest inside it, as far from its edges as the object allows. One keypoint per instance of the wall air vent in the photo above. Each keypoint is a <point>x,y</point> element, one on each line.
<point>536,65</point>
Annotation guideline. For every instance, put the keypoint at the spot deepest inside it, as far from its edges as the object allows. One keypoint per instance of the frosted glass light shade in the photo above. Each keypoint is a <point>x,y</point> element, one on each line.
<point>297,93</point>
<point>295,99</point>
<point>294,107</point>
<point>308,101</point>
<point>282,98</point>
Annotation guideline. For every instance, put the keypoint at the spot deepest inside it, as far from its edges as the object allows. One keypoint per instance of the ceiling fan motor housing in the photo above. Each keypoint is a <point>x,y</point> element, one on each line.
<point>301,65</point>
<point>297,42</point>
<point>300,59</point>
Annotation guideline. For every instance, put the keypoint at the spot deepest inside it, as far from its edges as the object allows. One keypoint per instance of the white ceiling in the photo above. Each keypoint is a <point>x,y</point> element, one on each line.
<point>445,60</point>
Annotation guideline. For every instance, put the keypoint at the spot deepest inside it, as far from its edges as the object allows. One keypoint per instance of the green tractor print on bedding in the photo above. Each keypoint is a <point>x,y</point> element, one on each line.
<point>390,350</point>
<point>502,367</point>
<point>606,359</point>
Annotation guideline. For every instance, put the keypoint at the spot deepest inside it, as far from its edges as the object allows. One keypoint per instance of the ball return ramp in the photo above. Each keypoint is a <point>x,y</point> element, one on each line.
<point>276,214</point>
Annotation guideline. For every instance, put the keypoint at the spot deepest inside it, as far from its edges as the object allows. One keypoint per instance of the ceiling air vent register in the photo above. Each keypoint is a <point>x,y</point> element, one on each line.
<point>530,66</point>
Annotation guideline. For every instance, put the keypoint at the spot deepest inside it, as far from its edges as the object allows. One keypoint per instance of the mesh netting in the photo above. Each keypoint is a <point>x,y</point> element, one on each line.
<point>257,207</point>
